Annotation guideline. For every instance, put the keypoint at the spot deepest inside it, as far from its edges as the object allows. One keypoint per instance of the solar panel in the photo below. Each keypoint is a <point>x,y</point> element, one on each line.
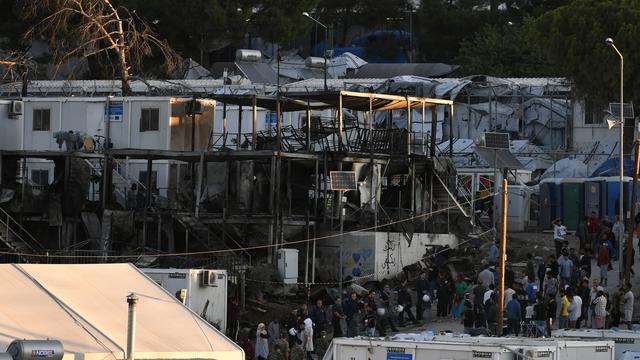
<point>343,180</point>
<point>494,140</point>
<point>498,158</point>
<point>614,108</point>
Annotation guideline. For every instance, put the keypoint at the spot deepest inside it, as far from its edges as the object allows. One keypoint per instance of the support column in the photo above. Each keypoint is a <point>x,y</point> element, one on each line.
<point>340,123</point>
<point>451,130</point>
<point>308,127</point>
<point>254,111</point>
<point>239,134</point>
<point>278,125</point>
<point>434,130</point>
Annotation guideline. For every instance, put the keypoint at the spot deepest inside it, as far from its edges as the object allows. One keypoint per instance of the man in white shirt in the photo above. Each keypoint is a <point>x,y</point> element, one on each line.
<point>628,300</point>
<point>559,232</point>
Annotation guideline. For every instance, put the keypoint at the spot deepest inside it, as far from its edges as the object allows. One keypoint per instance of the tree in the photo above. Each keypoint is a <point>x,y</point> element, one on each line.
<point>572,38</point>
<point>89,28</point>
<point>504,51</point>
<point>278,21</point>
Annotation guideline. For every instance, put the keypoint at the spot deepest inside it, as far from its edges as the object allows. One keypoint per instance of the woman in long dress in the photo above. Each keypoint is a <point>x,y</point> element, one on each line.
<point>262,342</point>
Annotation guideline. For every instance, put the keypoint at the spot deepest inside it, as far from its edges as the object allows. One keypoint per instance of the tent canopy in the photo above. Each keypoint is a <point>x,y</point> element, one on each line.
<point>84,306</point>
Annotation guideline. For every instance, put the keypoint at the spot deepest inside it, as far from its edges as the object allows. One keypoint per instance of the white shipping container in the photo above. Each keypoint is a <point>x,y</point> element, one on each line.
<point>625,340</point>
<point>468,349</point>
<point>201,286</point>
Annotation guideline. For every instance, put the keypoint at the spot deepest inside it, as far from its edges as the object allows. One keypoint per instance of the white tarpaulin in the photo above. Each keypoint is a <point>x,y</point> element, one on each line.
<point>566,168</point>
<point>84,306</point>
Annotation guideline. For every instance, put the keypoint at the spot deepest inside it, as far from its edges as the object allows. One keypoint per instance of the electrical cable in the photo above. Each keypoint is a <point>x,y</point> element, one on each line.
<point>255,247</point>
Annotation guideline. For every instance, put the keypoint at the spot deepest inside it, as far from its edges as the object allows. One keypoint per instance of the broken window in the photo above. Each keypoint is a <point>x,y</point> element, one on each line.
<point>142,178</point>
<point>149,119</point>
<point>40,177</point>
<point>593,113</point>
<point>41,119</point>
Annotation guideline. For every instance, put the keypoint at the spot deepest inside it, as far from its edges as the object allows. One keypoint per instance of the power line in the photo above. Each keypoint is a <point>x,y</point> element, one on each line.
<point>255,247</point>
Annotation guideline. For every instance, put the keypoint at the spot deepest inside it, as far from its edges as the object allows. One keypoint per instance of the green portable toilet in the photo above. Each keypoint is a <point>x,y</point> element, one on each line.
<point>572,202</point>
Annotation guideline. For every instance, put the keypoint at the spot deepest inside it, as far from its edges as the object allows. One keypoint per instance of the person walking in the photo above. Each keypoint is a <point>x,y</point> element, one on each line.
<point>339,320</point>
<point>352,311</point>
<point>422,289</point>
<point>563,319</point>
<point>307,342</point>
<point>566,267</point>
<point>404,306</point>
<point>551,309</point>
<point>492,314</point>
<point>319,317</point>
<point>599,310</point>
<point>468,317</point>
<point>444,296</point>
<point>603,262</point>
<point>618,235</point>
<point>492,254</point>
<point>461,288</point>
<point>262,342</point>
<point>559,232</point>
<point>575,309</point>
<point>540,316</point>
<point>514,315</point>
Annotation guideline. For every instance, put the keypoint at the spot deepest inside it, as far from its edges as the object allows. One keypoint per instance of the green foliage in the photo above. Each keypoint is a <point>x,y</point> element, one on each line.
<point>282,20</point>
<point>502,51</point>
<point>572,38</point>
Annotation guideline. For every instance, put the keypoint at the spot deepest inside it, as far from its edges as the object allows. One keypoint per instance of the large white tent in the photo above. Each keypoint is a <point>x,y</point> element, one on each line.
<point>84,306</point>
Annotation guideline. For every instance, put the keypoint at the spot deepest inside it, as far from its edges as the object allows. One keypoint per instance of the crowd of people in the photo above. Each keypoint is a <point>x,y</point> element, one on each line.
<point>557,291</point>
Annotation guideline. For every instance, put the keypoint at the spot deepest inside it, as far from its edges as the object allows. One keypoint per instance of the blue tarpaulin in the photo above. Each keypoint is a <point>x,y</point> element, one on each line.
<point>611,167</point>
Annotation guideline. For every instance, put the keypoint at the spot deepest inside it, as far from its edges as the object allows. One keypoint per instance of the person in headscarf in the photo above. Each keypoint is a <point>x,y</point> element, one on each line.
<point>262,342</point>
<point>307,342</point>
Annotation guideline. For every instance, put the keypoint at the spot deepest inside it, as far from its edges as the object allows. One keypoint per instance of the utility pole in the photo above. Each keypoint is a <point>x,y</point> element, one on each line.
<point>106,168</point>
<point>634,198</point>
<point>503,256</point>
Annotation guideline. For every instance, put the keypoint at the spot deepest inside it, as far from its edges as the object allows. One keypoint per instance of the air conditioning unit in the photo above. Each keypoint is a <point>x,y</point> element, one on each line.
<point>195,107</point>
<point>208,278</point>
<point>16,108</point>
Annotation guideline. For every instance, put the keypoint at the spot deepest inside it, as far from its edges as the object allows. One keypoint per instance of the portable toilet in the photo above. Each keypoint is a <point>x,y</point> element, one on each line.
<point>544,206</point>
<point>550,201</point>
<point>592,197</point>
<point>612,186</point>
<point>572,201</point>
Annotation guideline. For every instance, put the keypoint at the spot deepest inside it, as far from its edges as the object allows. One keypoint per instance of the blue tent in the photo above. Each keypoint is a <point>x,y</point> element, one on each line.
<point>611,167</point>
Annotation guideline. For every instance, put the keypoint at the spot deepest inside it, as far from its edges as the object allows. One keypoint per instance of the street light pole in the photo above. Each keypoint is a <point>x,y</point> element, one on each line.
<point>609,41</point>
<point>326,41</point>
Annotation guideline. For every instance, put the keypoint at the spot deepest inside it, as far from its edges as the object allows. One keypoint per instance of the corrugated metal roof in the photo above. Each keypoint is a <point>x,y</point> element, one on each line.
<point>393,70</point>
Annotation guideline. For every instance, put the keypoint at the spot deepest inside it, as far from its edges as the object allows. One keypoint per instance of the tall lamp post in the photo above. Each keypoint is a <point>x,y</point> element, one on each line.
<point>609,41</point>
<point>326,41</point>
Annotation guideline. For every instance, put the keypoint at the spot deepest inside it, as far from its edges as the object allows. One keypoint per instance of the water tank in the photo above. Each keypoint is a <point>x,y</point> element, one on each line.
<point>36,349</point>
<point>248,55</point>
<point>314,62</point>
<point>288,265</point>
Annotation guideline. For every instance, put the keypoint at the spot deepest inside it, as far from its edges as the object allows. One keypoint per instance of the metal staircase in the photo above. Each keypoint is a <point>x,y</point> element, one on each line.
<point>120,183</point>
<point>452,191</point>
<point>210,239</point>
<point>17,238</point>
